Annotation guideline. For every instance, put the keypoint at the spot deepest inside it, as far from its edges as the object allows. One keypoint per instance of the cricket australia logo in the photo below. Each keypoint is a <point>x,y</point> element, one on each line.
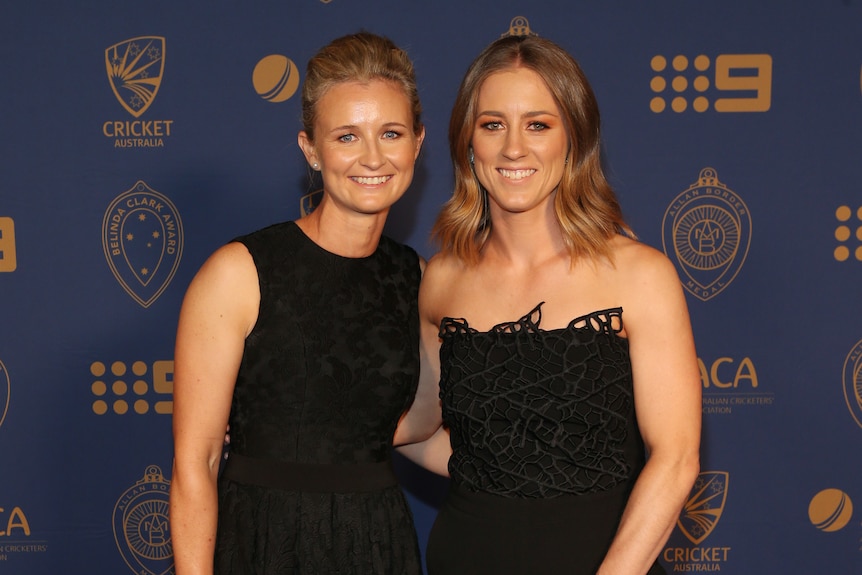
<point>707,230</point>
<point>704,506</point>
<point>135,68</point>
<point>141,525</point>
<point>142,236</point>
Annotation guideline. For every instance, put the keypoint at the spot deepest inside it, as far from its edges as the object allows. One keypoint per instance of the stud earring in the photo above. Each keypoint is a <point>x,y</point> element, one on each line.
<point>471,156</point>
<point>315,165</point>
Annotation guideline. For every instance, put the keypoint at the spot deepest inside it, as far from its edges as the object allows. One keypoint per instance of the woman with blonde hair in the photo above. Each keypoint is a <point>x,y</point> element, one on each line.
<point>304,337</point>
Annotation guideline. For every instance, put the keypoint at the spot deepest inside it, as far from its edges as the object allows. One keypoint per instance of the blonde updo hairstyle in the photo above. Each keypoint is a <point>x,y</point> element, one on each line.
<point>361,57</point>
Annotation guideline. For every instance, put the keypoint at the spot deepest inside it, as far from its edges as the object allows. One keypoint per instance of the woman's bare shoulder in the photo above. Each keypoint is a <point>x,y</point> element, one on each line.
<point>635,259</point>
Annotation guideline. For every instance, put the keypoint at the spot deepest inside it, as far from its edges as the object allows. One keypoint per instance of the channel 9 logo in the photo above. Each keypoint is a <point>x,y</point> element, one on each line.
<point>730,83</point>
<point>137,388</point>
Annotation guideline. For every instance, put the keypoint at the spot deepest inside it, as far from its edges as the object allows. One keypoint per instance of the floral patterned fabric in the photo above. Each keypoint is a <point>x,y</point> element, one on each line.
<point>328,369</point>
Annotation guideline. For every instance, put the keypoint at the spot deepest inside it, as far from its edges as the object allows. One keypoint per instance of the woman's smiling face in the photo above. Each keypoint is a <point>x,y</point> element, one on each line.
<point>364,145</point>
<point>519,140</point>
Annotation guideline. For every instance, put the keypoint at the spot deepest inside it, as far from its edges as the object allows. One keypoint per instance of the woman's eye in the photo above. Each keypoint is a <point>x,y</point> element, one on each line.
<point>538,126</point>
<point>391,134</point>
<point>346,138</point>
<point>492,125</point>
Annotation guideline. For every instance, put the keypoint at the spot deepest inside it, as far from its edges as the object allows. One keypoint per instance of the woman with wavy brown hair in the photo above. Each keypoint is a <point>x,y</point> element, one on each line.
<point>568,373</point>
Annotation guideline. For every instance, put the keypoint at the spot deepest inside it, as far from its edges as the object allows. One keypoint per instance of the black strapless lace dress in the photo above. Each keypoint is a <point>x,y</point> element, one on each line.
<point>545,444</point>
<point>328,369</point>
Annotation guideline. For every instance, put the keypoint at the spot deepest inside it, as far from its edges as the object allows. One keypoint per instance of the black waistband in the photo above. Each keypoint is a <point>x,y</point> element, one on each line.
<point>339,478</point>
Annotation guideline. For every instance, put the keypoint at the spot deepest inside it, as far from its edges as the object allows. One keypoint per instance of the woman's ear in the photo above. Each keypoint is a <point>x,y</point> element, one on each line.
<point>419,139</point>
<point>307,147</point>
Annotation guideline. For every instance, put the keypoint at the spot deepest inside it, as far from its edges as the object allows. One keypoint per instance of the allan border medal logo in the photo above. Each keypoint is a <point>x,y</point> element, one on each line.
<point>135,68</point>
<point>141,525</point>
<point>142,236</point>
<point>707,230</point>
<point>852,380</point>
<point>704,506</point>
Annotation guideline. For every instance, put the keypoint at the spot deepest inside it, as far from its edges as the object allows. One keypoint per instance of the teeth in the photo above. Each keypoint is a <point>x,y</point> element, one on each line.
<point>371,181</point>
<point>516,174</point>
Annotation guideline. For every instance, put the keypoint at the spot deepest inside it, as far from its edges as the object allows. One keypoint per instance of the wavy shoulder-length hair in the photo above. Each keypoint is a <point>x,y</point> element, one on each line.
<point>586,207</point>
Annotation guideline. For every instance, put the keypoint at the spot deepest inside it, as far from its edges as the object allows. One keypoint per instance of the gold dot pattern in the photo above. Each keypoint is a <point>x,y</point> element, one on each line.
<point>680,83</point>
<point>115,394</point>
<point>845,232</point>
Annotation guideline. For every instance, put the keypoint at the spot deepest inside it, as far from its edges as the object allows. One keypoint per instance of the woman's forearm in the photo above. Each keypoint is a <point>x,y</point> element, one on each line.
<point>194,516</point>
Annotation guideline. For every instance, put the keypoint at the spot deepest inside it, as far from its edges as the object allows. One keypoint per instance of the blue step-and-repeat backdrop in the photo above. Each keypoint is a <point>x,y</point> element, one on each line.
<point>137,138</point>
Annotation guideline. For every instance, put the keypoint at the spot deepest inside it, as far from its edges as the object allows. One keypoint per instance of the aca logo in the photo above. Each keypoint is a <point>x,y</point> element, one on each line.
<point>8,258</point>
<point>16,534</point>
<point>141,525</point>
<point>519,26</point>
<point>852,380</point>
<point>275,78</point>
<point>707,231</point>
<point>830,510</point>
<point>698,519</point>
<point>5,392</point>
<point>16,523</point>
<point>139,389</point>
<point>730,382</point>
<point>844,233</point>
<point>142,236</point>
<point>727,83</point>
<point>135,70</point>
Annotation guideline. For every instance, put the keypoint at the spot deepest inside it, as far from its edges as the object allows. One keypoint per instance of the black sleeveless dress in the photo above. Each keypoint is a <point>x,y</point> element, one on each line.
<point>329,368</point>
<point>545,444</point>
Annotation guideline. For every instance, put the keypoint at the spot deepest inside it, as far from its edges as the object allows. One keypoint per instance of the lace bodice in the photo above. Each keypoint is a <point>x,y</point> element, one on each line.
<point>535,413</point>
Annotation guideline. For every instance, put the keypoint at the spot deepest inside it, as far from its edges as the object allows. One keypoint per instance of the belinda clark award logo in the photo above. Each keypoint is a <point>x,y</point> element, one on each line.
<point>142,236</point>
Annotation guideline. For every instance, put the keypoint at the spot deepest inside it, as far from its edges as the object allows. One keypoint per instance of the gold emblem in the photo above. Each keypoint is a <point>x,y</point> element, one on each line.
<point>135,68</point>
<point>142,236</point>
<point>275,78</point>
<point>704,506</point>
<point>519,26</point>
<point>707,230</point>
<point>141,525</point>
<point>852,380</point>
<point>830,510</point>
